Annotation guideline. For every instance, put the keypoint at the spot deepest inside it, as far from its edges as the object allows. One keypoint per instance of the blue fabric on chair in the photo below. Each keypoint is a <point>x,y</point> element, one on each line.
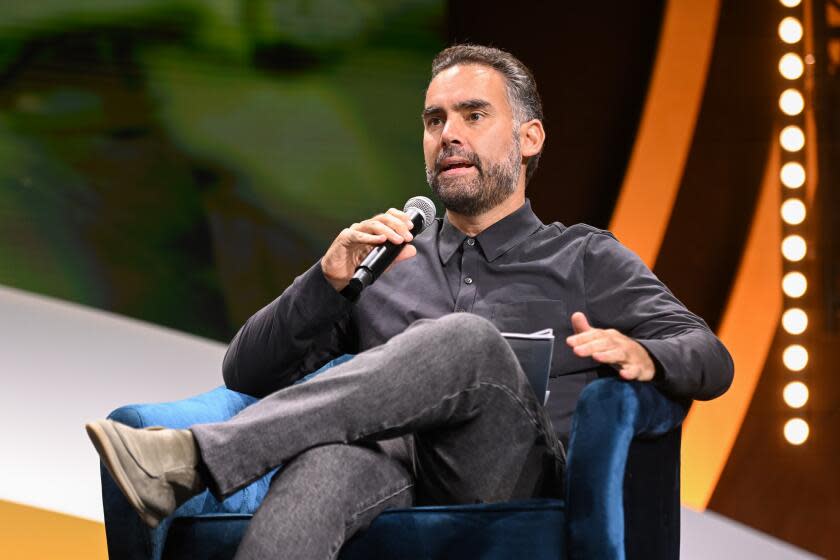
<point>491,532</point>
<point>215,536</point>
<point>526,529</point>
<point>623,458</point>
<point>609,415</point>
<point>128,537</point>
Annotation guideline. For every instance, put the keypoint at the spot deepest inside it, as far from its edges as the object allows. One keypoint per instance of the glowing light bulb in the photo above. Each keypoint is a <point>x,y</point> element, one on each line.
<point>791,66</point>
<point>795,321</point>
<point>790,3</point>
<point>790,30</point>
<point>792,175</point>
<point>792,139</point>
<point>796,431</point>
<point>794,248</point>
<point>794,284</point>
<point>795,394</point>
<point>793,211</point>
<point>791,102</point>
<point>795,357</point>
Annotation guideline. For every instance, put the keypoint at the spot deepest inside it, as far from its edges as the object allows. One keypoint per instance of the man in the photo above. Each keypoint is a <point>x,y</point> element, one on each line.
<point>434,408</point>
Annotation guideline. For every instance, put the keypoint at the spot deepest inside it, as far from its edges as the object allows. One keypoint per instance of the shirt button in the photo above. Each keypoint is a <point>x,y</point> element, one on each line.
<point>471,242</point>
<point>467,280</point>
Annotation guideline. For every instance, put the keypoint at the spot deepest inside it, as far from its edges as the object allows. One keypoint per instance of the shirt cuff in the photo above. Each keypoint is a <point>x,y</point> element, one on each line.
<point>656,350</point>
<point>315,297</point>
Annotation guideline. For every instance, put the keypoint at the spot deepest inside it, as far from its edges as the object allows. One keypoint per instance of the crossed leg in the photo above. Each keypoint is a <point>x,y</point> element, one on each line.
<point>453,383</point>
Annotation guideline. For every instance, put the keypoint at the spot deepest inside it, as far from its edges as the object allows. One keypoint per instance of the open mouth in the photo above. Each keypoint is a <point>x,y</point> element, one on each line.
<point>455,167</point>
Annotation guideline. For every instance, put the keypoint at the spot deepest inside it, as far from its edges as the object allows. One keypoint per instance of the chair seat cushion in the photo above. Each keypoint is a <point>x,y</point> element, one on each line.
<point>525,529</point>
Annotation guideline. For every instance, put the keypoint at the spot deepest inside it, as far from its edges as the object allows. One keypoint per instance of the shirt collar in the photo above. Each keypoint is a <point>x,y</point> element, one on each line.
<point>494,241</point>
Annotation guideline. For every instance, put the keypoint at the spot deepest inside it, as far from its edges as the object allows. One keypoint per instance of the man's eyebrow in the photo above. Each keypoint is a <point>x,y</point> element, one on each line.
<point>432,110</point>
<point>466,105</point>
<point>472,104</point>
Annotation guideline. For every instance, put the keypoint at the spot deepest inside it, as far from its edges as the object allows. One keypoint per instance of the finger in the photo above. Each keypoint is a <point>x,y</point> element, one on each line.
<point>645,375</point>
<point>600,344</point>
<point>579,322</point>
<point>376,227</point>
<point>363,237</point>
<point>593,333</point>
<point>402,216</point>
<point>630,373</point>
<point>407,252</point>
<point>584,337</point>
<point>611,356</point>
<point>395,224</point>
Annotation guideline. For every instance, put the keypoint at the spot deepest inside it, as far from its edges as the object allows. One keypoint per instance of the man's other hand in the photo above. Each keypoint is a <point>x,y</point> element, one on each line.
<point>609,346</point>
<point>353,244</point>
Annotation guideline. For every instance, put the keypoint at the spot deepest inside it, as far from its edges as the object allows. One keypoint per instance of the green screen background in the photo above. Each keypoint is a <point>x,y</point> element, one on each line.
<point>182,161</point>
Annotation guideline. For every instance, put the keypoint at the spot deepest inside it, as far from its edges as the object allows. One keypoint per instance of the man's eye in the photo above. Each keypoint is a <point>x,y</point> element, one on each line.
<point>433,121</point>
<point>476,116</point>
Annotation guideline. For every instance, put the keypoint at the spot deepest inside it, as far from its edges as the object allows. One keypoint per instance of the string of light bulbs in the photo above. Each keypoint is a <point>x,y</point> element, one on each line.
<point>793,212</point>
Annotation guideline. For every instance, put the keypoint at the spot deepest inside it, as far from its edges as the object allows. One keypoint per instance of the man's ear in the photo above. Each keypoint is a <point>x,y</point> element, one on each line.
<point>532,137</point>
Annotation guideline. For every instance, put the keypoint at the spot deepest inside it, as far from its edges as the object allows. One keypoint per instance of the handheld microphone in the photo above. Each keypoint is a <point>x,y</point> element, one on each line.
<point>422,212</point>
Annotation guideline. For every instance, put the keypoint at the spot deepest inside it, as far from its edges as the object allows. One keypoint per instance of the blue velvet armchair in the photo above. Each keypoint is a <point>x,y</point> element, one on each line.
<point>622,494</point>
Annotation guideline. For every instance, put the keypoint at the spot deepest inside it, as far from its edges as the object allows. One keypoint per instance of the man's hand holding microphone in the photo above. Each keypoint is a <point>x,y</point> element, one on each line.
<point>363,251</point>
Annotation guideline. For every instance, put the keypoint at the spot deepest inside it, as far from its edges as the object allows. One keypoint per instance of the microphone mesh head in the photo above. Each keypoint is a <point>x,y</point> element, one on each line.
<point>423,205</point>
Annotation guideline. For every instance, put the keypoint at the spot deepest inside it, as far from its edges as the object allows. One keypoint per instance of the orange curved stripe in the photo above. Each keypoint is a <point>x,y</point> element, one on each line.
<point>747,329</point>
<point>666,129</point>
<point>31,533</point>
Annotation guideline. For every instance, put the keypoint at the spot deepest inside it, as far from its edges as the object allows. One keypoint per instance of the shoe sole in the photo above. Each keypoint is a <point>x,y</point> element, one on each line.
<point>101,434</point>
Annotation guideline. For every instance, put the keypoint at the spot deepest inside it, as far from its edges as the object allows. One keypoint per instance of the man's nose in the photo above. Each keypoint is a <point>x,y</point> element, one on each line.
<point>451,134</point>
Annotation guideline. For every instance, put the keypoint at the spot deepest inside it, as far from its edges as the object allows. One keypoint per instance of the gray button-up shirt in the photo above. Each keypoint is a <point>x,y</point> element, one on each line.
<point>520,274</point>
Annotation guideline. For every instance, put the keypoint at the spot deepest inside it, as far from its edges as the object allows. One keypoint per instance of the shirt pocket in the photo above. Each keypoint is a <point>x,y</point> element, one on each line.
<point>535,315</point>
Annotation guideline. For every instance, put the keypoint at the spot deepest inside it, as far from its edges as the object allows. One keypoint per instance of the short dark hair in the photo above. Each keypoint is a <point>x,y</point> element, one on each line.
<point>522,91</point>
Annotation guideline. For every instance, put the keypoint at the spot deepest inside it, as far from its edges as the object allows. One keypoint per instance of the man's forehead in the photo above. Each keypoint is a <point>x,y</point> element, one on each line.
<point>466,81</point>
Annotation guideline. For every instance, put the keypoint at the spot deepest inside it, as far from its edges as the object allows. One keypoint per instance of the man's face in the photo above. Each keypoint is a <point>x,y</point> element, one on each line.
<point>471,149</point>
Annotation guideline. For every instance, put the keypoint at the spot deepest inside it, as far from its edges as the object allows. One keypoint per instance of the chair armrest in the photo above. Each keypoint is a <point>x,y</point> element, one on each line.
<point>128,536</point>
<point>610,414</point>
<point>217,405</point>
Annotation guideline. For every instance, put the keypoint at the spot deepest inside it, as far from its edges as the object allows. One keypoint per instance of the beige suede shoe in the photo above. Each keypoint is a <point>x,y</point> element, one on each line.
<point>156,468</point>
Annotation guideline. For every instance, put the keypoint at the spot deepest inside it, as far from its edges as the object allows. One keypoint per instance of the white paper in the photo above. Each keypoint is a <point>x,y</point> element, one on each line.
<point>545,334</point>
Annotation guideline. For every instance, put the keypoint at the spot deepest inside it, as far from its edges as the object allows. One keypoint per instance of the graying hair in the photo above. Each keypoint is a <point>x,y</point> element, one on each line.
<point>521,88</point>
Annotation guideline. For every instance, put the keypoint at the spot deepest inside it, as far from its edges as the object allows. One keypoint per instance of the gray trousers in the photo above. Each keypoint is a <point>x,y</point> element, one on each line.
<point>442,413</point>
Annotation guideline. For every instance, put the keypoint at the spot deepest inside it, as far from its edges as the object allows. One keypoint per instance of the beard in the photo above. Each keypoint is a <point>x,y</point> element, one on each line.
<point>491,185</point>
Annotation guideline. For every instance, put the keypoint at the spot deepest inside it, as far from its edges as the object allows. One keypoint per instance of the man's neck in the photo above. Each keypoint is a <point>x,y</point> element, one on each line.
<point>473,225</point>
